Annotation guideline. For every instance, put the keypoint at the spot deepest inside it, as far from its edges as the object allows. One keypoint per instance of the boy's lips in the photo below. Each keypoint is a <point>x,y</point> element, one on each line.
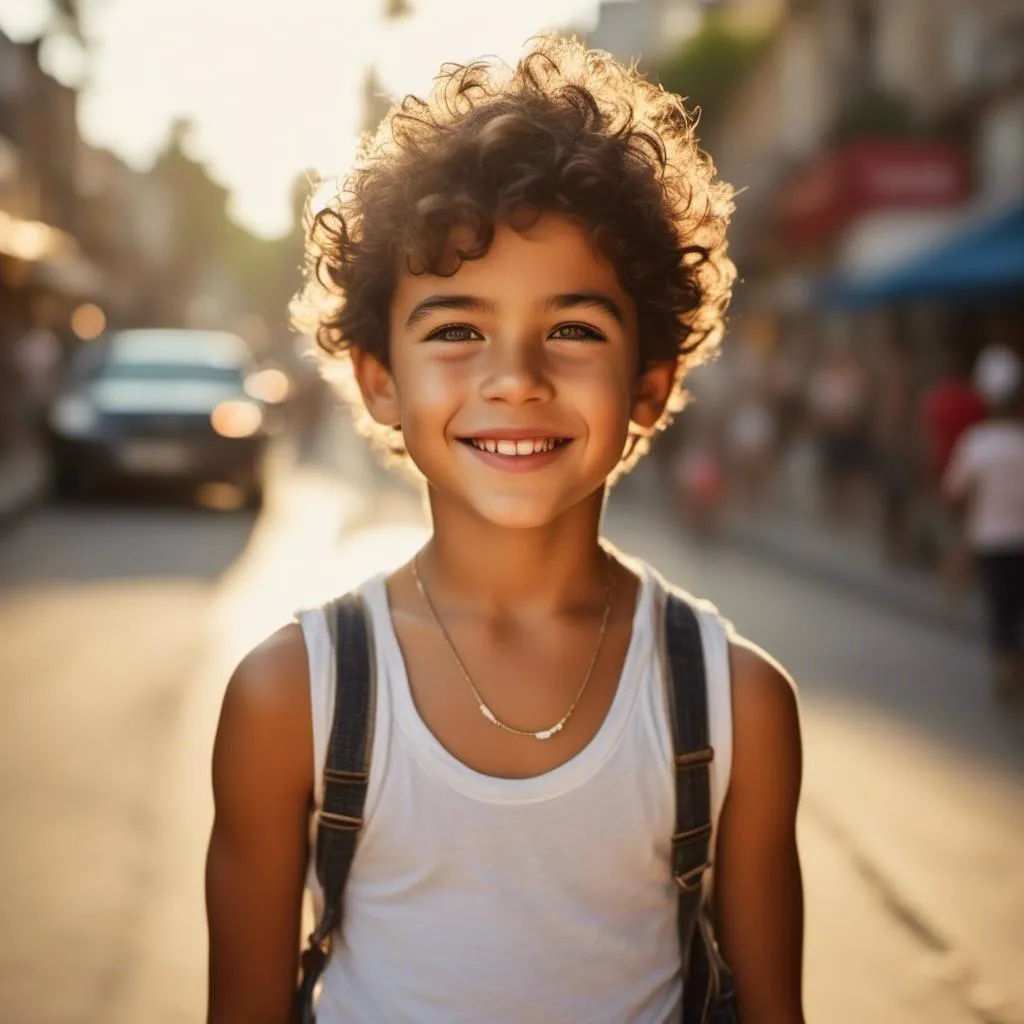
<point>517,450</point>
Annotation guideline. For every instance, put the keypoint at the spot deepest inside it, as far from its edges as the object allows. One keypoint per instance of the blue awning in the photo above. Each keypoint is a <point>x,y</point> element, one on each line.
<point>985,263</point>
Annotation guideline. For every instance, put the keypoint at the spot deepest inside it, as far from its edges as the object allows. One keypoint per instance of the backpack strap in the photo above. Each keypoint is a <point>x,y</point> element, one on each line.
<point>688,704</point>
<point>346,775</point>
<point>709,994</point>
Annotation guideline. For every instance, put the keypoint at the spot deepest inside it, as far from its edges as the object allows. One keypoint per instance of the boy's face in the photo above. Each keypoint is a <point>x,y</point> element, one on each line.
<point>515,379</point>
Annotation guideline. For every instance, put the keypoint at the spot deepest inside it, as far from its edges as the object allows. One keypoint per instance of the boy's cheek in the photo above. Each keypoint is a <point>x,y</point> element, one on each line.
<point>426,429</point>
<point>427,421</point>
<point>431,384</point>
<point>437,395</point>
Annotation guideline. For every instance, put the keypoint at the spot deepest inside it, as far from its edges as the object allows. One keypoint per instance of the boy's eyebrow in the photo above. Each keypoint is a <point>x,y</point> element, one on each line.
<point>471,303</point>
<point>596,300</point>
<point>476,304</point>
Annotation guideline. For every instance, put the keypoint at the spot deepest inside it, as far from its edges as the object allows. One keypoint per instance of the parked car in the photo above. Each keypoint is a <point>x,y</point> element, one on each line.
<point>168,404</point>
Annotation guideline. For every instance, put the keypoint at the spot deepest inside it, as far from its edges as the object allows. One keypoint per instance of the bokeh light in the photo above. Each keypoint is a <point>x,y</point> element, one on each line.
<point>88,321</point>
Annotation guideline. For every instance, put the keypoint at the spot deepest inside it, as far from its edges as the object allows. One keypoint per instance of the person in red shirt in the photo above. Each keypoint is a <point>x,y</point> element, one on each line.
<point>950,407</point>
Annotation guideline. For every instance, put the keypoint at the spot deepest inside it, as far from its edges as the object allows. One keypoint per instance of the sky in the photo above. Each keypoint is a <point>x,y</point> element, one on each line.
<point>272,87</point>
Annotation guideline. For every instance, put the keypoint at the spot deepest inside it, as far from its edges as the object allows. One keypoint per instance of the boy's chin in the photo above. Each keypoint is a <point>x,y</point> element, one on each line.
<point>507,512</point>
<point>506,518</point>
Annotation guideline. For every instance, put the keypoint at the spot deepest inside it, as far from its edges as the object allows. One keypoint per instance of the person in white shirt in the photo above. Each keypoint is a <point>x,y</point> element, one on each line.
<point>986,478</point>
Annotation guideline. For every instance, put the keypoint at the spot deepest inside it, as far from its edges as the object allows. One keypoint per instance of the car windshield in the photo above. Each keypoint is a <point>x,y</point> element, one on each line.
<point>139,371</point>
<point>166,356</point>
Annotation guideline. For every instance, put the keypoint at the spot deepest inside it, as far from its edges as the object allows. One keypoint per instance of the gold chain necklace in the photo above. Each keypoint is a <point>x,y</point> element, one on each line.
<point>543,734</point>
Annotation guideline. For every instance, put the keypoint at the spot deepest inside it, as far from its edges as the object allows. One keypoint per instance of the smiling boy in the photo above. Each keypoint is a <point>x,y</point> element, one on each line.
<point>521,270</point>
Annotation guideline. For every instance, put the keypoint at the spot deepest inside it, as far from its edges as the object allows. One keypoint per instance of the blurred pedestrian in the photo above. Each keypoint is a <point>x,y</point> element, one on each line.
<point>503,271</point>
<point>785,389</point>
<point>985,478</point>
<point>896,448</point>
<point>698,483</point>
<point>948,408</point>
<point>37,357</point>
<point>837,399</point>
<point>750,435</point>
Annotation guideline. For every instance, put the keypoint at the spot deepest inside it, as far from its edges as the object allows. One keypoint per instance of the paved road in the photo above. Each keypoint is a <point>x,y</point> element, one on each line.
<point>118,628</point>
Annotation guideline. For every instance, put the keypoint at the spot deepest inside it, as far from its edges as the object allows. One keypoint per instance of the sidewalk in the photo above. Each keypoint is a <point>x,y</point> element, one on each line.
<point>847,559</point>
<point>24,478</point>
<point>853,561</point>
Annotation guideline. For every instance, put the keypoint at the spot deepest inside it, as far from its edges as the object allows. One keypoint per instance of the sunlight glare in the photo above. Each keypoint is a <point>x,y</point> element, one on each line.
<point>274,88</point>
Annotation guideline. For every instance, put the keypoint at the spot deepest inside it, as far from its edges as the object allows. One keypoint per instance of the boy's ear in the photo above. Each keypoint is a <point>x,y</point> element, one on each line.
<point>377,386</point>
<point>651,395</point>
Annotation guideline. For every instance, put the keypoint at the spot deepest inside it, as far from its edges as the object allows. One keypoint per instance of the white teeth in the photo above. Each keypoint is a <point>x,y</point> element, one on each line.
<point>503,447</point>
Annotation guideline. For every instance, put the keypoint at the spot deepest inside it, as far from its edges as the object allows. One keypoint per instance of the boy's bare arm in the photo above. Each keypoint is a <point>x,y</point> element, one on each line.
<point>758,886</point>
<point>262,783</point>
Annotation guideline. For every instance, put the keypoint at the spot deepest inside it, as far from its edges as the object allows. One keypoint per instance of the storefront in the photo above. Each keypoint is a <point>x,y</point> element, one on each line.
<point>43,278</point>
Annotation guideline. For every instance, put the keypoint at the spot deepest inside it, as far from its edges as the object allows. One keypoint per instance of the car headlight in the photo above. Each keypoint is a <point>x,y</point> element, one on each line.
<point>73,415</point>
<point>236,418</point>
<point>269,385</point>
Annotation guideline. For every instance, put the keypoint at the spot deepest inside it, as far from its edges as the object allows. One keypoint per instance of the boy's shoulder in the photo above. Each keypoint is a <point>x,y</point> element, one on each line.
<point>276,671</point>
<point>759,815</point>
<point>761,686</point>
<point>265,713</point>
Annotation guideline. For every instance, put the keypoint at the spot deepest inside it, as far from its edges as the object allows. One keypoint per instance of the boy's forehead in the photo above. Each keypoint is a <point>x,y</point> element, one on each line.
<point>553,255</point>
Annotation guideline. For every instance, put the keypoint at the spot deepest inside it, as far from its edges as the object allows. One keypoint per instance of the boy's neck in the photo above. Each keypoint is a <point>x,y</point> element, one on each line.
<point>493,570</point>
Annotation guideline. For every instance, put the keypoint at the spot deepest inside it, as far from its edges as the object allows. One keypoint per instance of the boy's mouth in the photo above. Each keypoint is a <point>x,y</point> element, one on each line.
<point>518,453</point>
<point>517,448</point>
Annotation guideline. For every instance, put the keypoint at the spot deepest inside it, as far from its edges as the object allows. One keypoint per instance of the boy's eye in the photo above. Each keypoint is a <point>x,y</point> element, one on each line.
<point>576,332</point>
<point>455,332</point>
<point>564,332</point>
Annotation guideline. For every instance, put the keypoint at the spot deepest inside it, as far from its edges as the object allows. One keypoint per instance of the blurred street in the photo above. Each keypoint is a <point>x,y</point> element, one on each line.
<point>823,487</point>
<point>120,622</point>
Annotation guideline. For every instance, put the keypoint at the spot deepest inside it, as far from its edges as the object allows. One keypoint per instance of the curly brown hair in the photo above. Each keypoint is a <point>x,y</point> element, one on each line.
<point>567,130</point>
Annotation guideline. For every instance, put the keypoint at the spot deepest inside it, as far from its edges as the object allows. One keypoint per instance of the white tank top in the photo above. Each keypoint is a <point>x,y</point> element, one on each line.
<point>547,899</point>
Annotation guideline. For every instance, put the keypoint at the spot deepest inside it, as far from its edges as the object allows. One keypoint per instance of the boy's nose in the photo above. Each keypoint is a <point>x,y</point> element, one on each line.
<point>516,374</point>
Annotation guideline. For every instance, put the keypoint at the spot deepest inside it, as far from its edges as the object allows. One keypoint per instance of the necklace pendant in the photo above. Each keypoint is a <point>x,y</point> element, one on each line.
<point>546,734</point>
<point>488,714</point>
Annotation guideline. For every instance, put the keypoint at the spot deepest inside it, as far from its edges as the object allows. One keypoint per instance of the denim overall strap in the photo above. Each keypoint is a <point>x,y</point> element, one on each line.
<point>346,774</point>
<point>707,988</point>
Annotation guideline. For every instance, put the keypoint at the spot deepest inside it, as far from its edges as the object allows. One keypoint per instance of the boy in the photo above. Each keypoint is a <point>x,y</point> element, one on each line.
<point>520,271</point>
